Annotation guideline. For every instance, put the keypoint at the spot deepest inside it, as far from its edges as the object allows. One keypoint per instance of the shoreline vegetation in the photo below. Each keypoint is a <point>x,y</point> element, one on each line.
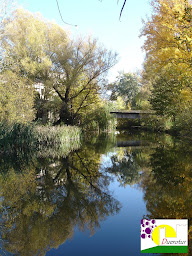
<point>155,124</point>
<point>46,140</point>
<point>57,141</point>
<point>54,88</point>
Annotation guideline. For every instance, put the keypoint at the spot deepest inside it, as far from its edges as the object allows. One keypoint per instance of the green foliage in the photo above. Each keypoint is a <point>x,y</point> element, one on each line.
<point>48,198</point>
<point>16,98</point>
<point>71,70</point>
<point>128,124</point>
<point>143,96</point>
<point>47,141</point>
<point>171,98</point>
<point>17,137</point>
<point>51,135</point>
<point>82,72</point>
<point>24,42</point>
<point>47,109</point>
<point>183,122</point>
<point>57,140</point>
<point>127,87</point>
<point>165,95</point>
<point>167,68</point>
<point>157,123</point>
<point>100,119</point>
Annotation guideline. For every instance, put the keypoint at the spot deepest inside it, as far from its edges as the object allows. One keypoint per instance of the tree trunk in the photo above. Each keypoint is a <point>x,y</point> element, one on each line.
<point>65,116</point>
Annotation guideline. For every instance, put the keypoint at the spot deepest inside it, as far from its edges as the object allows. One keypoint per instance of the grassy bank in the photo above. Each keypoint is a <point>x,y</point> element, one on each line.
<point>57,135</point>
<point>21,137</point>
<point>57,141</point>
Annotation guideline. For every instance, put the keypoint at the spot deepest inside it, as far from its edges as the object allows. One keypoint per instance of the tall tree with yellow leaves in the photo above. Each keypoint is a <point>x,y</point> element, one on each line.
<point>168,46</point>
<point>168,34</point>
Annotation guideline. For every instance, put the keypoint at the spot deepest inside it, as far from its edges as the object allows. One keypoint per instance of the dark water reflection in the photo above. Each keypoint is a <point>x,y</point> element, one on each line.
<point>91,202</point>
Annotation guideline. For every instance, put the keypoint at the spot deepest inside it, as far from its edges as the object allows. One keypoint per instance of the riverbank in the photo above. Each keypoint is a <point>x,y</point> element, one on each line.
<point>21,137</point>
<point>155,124</point>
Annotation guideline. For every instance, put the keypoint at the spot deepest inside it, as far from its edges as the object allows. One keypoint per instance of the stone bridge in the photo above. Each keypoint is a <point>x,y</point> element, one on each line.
<point>132,114</point>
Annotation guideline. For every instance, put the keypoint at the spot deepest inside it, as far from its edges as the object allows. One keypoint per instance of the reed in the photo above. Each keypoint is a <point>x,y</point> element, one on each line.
<point>57,135</point>
<point>22,137</point>
<point>57,141</point>
<point>17,136</point>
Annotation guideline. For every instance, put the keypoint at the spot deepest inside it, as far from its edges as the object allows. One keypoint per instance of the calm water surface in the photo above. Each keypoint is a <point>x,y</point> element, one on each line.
<point>91,201</point>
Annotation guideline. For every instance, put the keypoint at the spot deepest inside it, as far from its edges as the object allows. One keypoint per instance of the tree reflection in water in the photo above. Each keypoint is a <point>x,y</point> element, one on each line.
<point>42,204</point>
<point>168,186</point>
<point>165,175</point>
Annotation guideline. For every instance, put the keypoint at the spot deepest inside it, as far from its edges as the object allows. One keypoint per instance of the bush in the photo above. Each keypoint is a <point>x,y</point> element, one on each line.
<point>17,136</point>
<point>157,123</point>
<point>100,120</point>
<point>183,122</point>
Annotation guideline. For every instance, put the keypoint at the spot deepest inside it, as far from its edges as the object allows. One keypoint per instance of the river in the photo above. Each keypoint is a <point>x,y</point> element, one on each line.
<point>91,201</point>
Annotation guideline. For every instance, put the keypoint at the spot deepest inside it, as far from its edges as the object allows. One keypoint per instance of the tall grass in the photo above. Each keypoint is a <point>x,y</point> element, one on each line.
<point>17,136</point>
<point>57,135</point>
<point>21,137</point>
<point>56,141</point>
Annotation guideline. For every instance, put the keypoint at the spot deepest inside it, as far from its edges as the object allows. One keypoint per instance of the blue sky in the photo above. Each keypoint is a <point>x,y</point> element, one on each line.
<point>101,20</point>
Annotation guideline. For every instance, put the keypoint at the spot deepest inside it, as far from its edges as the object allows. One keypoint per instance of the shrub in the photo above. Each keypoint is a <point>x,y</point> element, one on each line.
<point>100,120</point>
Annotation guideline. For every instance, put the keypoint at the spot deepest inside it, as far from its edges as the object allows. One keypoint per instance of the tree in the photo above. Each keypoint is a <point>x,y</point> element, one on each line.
<point>22,62</point>
<point>127,87</point>
<point>71,69</point>
<point>6,7</point>
<point>168,49</point>
<point>168,35</point>
<point>16,99</point>
<point>24,44</point>
<point>166,94</point>
<point>77,77</point>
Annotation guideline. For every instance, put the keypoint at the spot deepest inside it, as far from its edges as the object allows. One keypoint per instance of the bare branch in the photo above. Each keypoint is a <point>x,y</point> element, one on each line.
<point>122,9</point>
<point>62,16</point>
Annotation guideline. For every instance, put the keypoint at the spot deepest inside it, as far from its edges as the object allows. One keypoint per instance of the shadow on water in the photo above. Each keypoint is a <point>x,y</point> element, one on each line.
<point>162,167</point>
<point>45,198</point>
